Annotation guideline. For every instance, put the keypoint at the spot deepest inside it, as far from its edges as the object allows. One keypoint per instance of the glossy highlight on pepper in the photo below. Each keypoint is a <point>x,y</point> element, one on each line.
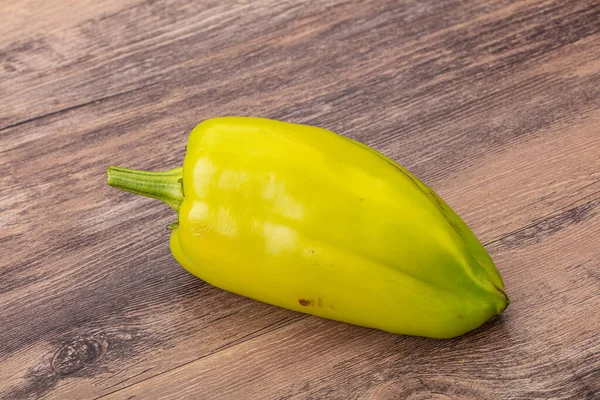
<point>303,218</point>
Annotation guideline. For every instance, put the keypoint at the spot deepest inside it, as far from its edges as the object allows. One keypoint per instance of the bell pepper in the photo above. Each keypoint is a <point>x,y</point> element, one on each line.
<point>303,218</point>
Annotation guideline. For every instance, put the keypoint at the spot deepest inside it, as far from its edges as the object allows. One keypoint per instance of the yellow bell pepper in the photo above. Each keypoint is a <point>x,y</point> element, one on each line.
<point>303,218</point>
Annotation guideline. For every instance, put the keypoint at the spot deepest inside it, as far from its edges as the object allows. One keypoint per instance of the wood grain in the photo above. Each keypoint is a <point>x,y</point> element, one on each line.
<point>495,104</point>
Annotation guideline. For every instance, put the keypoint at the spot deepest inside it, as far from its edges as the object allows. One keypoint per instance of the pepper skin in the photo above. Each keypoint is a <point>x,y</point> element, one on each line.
<point>302,218</point>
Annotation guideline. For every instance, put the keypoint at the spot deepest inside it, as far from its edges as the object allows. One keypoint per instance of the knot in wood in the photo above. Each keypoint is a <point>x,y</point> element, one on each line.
<point>78,354</point>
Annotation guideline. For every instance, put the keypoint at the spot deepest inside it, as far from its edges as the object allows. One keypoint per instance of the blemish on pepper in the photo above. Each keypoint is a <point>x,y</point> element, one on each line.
<point>304,302</point>
<point>320,302</point>
<point>461,316</point>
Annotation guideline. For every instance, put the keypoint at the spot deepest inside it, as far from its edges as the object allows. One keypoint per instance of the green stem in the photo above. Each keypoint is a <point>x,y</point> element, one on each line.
<point>165,185</point>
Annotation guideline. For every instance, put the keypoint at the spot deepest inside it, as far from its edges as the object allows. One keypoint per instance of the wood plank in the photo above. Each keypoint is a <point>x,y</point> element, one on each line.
<point>494,104</point>
<point>214,50</point>
<point>545,346</point>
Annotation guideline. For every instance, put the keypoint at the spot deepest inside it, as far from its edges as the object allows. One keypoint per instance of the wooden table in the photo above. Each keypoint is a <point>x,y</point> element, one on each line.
<point>494,104</point>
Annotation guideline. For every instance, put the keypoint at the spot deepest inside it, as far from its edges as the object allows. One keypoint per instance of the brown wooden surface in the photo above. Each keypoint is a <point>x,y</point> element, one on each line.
<point>495,104</point>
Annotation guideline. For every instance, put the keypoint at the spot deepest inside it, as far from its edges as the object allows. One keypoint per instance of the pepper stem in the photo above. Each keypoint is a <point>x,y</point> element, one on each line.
<point>165,185</point>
